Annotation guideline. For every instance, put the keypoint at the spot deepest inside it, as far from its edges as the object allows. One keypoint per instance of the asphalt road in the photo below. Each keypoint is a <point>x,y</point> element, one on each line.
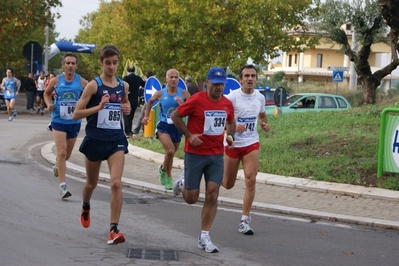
<point>40,229</point>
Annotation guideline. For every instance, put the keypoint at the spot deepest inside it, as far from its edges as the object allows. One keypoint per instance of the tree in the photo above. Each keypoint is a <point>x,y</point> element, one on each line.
<point>368,23</point>
<point>18,19</point>
<point>193,35</point>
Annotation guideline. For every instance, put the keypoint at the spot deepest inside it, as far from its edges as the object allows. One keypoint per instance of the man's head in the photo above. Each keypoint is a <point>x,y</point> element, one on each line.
<point>130,69</point>
<point>248,78</point>
<point>188,79</point>
<point>9,72</point>
<point>109,59</point>
<point>216,80</point>
<point>172,78</point>
<point>216,75</point>
<point>69,64</point>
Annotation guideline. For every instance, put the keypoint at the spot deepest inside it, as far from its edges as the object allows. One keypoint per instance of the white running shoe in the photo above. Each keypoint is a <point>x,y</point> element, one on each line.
<point>64,193</point>
<point>205,243</point>
<point>14,113</point>
<point>178,184</point>
<point>245,228</point>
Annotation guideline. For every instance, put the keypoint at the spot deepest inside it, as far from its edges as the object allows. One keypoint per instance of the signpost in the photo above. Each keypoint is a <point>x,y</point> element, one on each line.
<point>232,84</point>
<point>32,51</point>
<point>337,74</point>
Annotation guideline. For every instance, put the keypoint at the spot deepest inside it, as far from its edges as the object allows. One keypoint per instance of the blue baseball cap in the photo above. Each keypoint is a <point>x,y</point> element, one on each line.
<point>217,75</point>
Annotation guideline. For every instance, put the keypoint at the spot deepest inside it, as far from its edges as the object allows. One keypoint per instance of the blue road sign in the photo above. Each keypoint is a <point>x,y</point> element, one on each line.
<point>338,76</point>
<point>232,84</point>
<point>151,86</point>
<point>182,84</point>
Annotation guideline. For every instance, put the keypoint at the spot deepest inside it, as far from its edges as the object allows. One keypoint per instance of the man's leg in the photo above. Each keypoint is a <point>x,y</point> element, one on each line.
<point>92,175</point>
<point>170,150</point>
<point>138,126</point>
<point>250,164</point>
<point>210,205</point>
<point>230,171</point>
<point>116,163</point>
<point>61,144</point>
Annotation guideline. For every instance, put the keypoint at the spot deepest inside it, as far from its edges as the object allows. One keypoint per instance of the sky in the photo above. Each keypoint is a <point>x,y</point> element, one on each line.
<point>71,12</point>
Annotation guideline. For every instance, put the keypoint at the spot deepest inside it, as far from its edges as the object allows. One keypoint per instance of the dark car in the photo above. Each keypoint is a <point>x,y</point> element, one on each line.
<point>269,95</point>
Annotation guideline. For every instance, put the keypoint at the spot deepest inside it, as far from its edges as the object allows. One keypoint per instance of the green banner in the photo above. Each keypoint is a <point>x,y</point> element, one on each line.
<point>391,145</point>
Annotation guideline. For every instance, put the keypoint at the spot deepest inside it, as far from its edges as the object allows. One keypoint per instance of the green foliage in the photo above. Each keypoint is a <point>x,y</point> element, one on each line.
<point>194,35</point>
<point>327,146</point>
<point>18,20</point>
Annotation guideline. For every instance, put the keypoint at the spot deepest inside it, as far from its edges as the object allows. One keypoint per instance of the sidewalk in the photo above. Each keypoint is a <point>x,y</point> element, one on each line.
<point>289,195</point>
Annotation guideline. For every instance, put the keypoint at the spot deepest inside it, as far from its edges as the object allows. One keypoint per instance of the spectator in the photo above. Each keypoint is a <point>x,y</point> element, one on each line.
<point>30,91</point>
<point>191,87</point>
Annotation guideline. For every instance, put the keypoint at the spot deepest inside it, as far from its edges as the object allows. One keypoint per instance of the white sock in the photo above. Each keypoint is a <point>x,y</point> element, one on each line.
<point>244,218</point>
<point>204,233</point>
<point>62,184</point>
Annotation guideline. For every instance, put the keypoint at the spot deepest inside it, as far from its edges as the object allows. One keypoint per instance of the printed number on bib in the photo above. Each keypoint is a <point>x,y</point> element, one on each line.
<point>66,110</point>
<point>215,122</point>
<point>110,116</point>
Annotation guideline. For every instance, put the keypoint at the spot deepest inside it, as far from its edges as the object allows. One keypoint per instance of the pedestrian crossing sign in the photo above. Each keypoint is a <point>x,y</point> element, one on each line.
<point>338,76</point>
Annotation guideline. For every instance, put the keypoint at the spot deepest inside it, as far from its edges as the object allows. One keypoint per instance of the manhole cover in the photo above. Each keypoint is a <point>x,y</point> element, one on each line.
<point>152,254</point>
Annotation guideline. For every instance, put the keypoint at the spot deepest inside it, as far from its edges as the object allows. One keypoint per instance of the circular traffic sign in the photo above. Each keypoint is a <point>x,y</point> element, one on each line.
<point>232,84</point>
<point>151,86</point>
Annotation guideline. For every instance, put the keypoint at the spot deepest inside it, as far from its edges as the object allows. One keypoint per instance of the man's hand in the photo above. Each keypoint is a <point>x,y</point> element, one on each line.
<point>265,126</point>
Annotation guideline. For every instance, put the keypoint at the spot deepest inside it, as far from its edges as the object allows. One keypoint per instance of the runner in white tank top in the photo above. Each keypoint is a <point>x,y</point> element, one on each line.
<point>249,109</point>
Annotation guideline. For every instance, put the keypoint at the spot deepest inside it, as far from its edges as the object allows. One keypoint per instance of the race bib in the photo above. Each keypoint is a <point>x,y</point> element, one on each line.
<point>215,122</point>
<point>110,116</point>
<point>250,126</point>
<point>10,91</point>
<point>66,110</point>
<point>169,119</point>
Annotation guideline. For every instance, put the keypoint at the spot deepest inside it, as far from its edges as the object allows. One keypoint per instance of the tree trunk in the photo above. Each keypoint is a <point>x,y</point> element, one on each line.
<point>369,87</point>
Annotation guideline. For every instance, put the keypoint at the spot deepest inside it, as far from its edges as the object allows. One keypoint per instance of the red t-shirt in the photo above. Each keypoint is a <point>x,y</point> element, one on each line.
<point>209,118</point>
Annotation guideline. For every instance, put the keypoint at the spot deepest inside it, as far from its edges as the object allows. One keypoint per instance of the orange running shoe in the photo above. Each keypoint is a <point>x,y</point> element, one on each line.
<point>115,237</point>
<point>85,218</point>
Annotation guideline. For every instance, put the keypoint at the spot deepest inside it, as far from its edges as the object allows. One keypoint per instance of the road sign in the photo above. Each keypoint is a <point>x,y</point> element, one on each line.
<point>338,76</point>
<point>151,86</point>
<point>182,84</point>
<point>232,84</point>
<point>37,51</point>
<point>337,68</point>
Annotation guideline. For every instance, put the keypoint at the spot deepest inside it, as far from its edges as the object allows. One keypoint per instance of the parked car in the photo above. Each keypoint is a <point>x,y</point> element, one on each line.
<point>269,95</point>
<point>304,102</point>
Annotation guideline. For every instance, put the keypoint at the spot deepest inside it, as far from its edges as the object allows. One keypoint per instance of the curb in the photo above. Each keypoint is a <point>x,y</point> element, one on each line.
<point>291,182</point>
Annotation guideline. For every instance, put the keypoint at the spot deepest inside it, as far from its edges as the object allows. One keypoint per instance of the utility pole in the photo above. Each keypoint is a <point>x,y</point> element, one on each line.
<point>355,47</point>
<point>45,66</point>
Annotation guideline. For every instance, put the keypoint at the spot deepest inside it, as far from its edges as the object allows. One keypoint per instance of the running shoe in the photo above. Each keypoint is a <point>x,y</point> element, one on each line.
<point>14,113</point>
<point>178,184</point>
<point>162,175</point>
<point>245,228</point>
<point>64,193</point>
<point>38,110</point>
<point>169,183</point>
<point>49,127</point>
<point>115,237</point>
<point>205,243</point>
<point>41,113</point>
<point>10,119</point>
<point>85,218</point>
<point>55,171</point>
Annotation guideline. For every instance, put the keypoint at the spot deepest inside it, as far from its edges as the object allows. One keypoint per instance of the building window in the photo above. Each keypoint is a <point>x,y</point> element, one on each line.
<point>296,59</point>
<point>319,60</point>
<point>348,26</point>
<point>290,60</point>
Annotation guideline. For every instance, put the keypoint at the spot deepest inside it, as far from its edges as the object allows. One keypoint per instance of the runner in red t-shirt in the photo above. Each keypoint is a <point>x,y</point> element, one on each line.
<point>208,114</point>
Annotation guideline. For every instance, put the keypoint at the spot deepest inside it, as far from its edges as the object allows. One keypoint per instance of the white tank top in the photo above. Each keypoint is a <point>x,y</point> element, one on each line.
<point>247,107</point>
<point>40,84</point>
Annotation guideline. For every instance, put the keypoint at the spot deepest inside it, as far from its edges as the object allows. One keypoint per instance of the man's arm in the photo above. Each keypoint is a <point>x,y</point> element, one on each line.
<point>154,97</point>
<point>80,108</point>
<point>47,93</point>
<point>263,122</point>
